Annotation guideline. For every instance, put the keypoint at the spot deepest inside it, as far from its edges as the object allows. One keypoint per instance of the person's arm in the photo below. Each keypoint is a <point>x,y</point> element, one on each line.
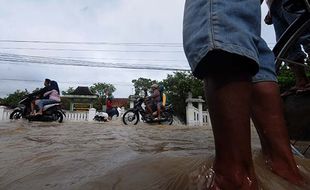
<point>47,93</point>
<point>39,92</point>
<point>155,94</point>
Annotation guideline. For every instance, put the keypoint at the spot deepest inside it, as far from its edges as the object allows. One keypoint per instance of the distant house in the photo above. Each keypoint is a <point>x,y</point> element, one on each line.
<point>81,99</point>
<point>120,102</point>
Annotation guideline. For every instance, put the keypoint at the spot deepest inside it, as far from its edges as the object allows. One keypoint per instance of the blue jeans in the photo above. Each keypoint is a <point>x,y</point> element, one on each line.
<point>42,102</point>
<point>231,26</point>
<point>281,21</point>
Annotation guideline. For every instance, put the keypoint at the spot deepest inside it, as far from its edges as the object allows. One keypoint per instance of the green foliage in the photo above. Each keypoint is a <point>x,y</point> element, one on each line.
<point>102,89</point>
<point>69,91</point>
<point>177,87</point>
<point>12,99</point>
<point>286,79</point>
<point>142,83</point>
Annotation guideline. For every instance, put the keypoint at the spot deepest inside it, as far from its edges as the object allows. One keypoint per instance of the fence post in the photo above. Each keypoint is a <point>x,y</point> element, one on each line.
<point>209,119</point>
<point>2,112</point>
<point>189,110</point>
<point>91,114</point>
<point>200,119</point>
<point>131,101</point>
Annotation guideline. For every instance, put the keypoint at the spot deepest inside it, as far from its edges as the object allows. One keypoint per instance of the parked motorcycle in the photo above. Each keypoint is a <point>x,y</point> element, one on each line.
<point>51,112</point>
<point>132,116</point>
<point>101,116</point>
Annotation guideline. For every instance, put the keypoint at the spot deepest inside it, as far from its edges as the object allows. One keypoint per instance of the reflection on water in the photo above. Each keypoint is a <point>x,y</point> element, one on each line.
<point>113,156</point>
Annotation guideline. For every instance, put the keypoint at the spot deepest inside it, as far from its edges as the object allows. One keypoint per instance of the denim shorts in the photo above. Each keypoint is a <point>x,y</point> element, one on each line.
<point>231,26</point>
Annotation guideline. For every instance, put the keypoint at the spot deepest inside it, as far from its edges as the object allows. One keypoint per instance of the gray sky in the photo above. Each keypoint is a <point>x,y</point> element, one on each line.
<point>39,37</point>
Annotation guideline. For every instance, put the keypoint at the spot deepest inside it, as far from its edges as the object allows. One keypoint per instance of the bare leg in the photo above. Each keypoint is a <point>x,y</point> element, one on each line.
<point>148,108</point>
<point>32,105</point>
<point>268,117</point>
<point>228,93</point>
<point>158,111</point>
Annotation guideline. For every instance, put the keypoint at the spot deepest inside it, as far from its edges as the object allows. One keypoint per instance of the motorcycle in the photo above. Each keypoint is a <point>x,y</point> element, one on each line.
<point>132,116</point>
<point>51,112</point>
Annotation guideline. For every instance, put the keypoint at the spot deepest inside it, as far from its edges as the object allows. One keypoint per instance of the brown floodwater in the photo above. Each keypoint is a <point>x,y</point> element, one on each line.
<point>110,155</point>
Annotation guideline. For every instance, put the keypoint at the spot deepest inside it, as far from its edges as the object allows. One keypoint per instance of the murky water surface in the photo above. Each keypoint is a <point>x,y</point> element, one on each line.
<point>113,156</point>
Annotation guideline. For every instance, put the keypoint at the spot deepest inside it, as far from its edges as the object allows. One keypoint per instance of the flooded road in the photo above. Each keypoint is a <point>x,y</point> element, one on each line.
<point>112,156</point>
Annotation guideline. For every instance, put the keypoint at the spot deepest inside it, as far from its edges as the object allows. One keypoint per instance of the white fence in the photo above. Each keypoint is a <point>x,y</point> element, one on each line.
<point>5,113</point>
<point>76,116</point>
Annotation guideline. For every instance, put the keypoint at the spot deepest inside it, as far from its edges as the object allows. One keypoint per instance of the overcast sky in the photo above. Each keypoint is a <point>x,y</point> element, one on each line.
<point>76,42</point>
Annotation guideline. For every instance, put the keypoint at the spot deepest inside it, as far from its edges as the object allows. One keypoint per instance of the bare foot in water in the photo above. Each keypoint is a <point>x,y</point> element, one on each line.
<point>206,178</point>
<point>285,168</point>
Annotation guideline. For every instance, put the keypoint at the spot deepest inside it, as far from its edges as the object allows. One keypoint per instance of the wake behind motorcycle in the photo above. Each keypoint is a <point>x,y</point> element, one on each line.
<point>51,112</point>
<point>132,116</point>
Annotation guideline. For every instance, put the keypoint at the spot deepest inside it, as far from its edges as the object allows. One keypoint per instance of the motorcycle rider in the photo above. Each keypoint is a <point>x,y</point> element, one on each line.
<point>49,97</point>
<point>39,94</point>
<point>153,102</point>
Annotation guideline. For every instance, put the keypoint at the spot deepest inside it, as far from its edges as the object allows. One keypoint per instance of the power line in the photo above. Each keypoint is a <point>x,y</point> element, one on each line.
<point>94,43</point>
<point>63,82</point>
<point>120,59</point>
<point>159,44</point>
<point>114,58</point>
<point>88,50</point>
<point>14,59</point>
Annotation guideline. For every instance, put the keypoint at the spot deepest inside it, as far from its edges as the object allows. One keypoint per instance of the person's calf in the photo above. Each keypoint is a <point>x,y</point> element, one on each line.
<point>268,118</point>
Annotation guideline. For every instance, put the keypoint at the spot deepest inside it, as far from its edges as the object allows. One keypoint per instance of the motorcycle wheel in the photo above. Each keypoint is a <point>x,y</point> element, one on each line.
<point>130,118</point>
<point>16,114</point>
<point>58,116</point>
<point>168,118</point>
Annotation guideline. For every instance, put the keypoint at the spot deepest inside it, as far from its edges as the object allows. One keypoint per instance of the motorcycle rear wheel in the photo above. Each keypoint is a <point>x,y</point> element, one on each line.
<point>58,116</point>
<point>168,118</point>
<point>16,114</point>
<point>130,118</point>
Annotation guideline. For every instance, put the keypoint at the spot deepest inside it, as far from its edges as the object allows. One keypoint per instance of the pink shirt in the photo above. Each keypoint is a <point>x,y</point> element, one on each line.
<point>53,95</point>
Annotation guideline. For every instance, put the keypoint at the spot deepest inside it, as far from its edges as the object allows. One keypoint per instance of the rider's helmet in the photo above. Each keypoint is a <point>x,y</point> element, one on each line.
<point>154,86</point>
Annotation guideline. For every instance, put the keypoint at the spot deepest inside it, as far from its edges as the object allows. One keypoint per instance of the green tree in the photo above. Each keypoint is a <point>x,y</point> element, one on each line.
<point>103,90</point>
<point>177,87</point>
<point>12,99</point>
<point>286,79</point>
<point>142,83</point>
<point>69,91</point>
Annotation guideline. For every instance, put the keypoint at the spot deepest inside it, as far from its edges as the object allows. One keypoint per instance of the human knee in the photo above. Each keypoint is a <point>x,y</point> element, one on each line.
<point>223,63</point>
